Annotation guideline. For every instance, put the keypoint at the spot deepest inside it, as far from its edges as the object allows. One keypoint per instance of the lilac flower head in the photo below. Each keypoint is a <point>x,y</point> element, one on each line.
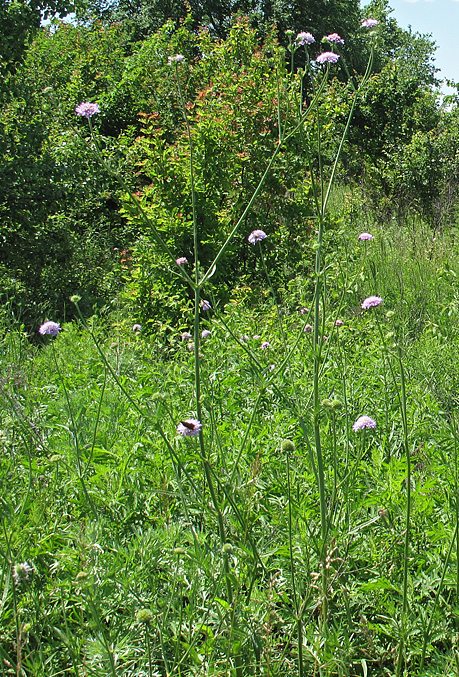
<point>339,323</point>
<point>371,302</point>
<point>137,327</point>
<point>189,428</point>
<point>364,422</point>
<point>205,333</point>
<point>304,311</point>
<point>256,336</point>
<point>304,38</point>
<point>335,39</point>
<point>308,328</point>
<point>50,328</point>
<point>177,58</point>
<point>365,236</point>
<point>265,345</point>
<point>327,57</point>
<point>87,110</point>
<point>186,336</point>
<point>272,367</point>
<point>256,236</point>
<point>369,23</point>
<point>181,260</point>
<point>205,305</point>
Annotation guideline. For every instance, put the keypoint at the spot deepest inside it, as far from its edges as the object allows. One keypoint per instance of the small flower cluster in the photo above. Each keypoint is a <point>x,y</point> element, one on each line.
<point>304,38</point>
<point>335,39</point>
<point>177,58</point>
<point>191,427</point>
<point>21,572</point>
<point>364,422</point>
<point>365,236</point>
<point>50,329</point>
<point>327,57</point>
<point>371,302</point>
<point>369,23</point>
<point>87,110</point>
<point>256,236</point>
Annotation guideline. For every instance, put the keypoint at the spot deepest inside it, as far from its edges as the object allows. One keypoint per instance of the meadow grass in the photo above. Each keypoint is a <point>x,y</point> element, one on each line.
<point>113,518</point>
<point>273,493</point>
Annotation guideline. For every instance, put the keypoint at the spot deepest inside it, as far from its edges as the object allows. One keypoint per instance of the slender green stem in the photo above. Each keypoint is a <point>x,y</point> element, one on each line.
<point>292,571</point>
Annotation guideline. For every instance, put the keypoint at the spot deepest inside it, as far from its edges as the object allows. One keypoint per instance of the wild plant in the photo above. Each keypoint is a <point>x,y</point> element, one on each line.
<point>257,581</point>
<point>305,124</point>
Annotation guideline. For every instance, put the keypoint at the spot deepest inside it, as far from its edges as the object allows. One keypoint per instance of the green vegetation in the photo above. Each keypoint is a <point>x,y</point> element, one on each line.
<point>238,455</point>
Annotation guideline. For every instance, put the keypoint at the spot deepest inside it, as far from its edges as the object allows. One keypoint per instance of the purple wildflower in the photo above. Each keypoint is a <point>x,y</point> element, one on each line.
<point>265,345</point>
<point>256,236</point>
<point>327,57</point>
<point>364,422</point>
<point>304,38</point>
<point>369,23</point>
<point>87,110</point>
<point>50,328</point>
<point>272,367</point>
<point>365,236</point>
<point>186,336</point>
<point>308,328</point>
<point>137,327</point>
<point>335,39</point>
<point>190,427</point>
<point>256,336</point>
<point>371,302</point>
<point>339,323</point>
<point>205,305</point>
<point>181,260</point>
<point>304,311</point>
<point>205,333</point>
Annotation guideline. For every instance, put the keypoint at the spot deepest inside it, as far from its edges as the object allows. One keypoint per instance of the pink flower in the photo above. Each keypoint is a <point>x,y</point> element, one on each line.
<point>186,336</point>
<point>265,345</point>
<point>364,422</point>
<point>335,39</point>
<point>369,23</point>
<point>205,305</point>
<point>304,311</point>
<point>308,328</point>
<point>304,38</point>
<point>327,57</point>
<point>371,302</point>
<point>136,327</point>
<point>181,260</point>
<point>256,236</point>
<point>190,427</point>
<point>87,110</point>
<point>339,323</point>
<point>205,333</point>
<point>365,236</point>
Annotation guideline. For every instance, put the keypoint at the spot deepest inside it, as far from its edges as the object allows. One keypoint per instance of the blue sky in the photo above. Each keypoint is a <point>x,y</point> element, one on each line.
<point>440,18</point>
